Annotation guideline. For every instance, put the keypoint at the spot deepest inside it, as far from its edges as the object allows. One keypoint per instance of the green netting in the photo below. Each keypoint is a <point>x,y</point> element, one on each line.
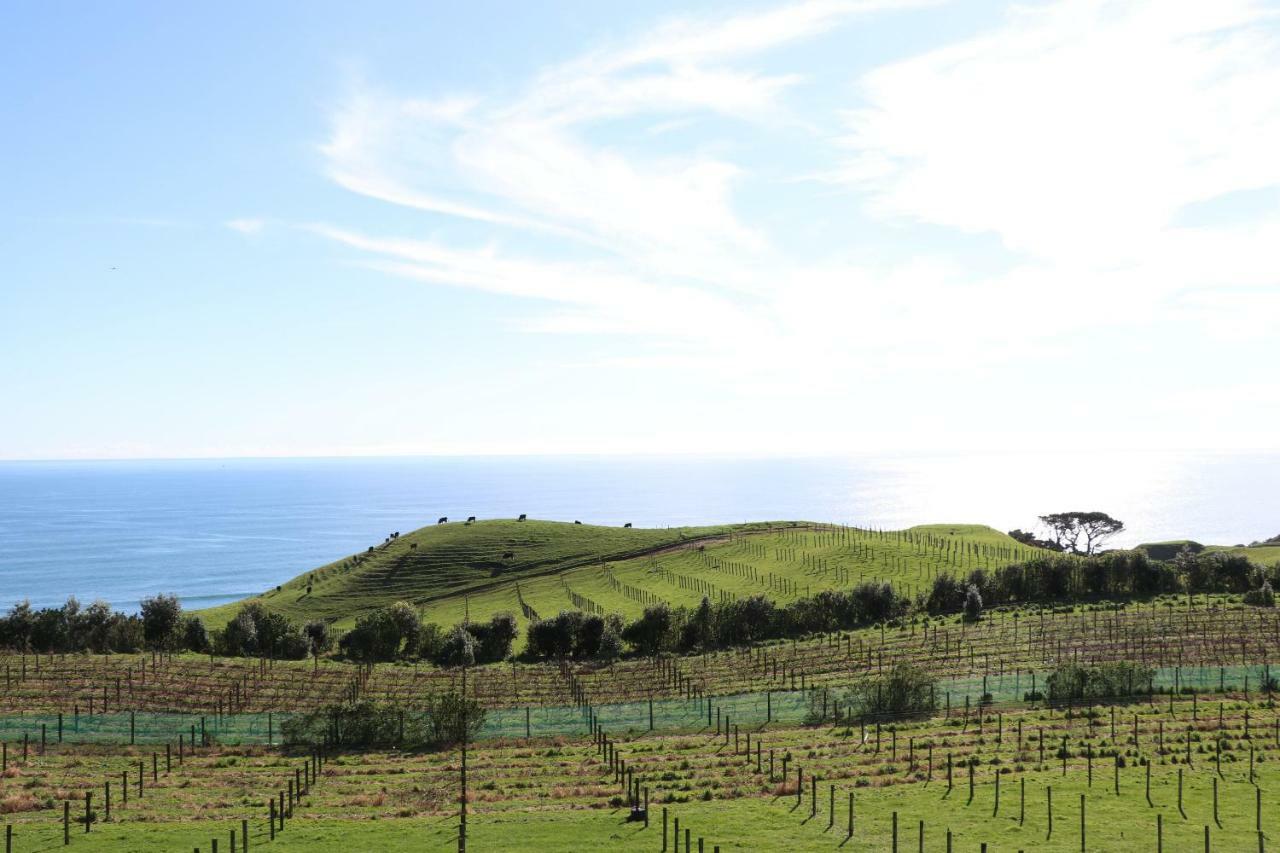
<point>1012,687</point>
<point>668,715</point>
<point>143,728</point>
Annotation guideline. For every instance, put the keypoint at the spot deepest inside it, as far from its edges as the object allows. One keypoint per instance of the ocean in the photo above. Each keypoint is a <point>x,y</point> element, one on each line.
<point>213,531</point>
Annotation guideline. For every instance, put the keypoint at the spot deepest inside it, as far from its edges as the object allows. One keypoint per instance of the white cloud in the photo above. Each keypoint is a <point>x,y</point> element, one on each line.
<point>529,162</point>
<point>1075,132</point>
<point>1078,130</point>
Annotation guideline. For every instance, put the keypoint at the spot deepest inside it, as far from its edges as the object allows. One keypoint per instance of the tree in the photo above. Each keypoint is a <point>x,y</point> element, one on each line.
<point>650,633</point>
<point>161,615</point>
<point>318,634</point>
<point>497,641</point>
<point>972,604</point>
<point>194,635</point>
<point>375,637</point>
<point>459,648</point>
<point>408,624</point>
<point>1029,539</point>
<point>1263,596</point>
<point>1068,529</point>
<point>240,637</point>
<point>611,640</point>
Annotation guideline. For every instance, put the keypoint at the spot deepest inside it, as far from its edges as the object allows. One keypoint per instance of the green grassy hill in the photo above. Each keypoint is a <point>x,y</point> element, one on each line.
<point>454,571</point>
<point>453,559</point>
<point>1263,555</point>
<point>1169,549</point>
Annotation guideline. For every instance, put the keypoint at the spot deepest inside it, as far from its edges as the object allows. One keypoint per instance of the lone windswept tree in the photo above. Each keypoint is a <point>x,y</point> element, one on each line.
<point>1081,532</point>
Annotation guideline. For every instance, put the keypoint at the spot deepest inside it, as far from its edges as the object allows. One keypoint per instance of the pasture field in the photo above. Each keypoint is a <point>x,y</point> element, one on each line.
<point>758,787</point>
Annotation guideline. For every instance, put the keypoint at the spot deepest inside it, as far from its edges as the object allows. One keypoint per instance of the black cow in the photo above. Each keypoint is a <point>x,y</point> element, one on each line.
<point>522,517</point>
<point>470,518</point>
<point>576,521</point>
<point>443,519</point>
<point>628,524</point>
<point>509,555</point>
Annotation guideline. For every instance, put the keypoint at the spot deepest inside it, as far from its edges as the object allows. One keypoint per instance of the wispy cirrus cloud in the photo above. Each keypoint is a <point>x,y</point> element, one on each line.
<point>1076,130</point>
<point>1076,133</point>
<point>533,162</point>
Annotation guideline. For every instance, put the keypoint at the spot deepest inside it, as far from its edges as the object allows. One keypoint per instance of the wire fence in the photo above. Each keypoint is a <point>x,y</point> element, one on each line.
<point>784,707</point>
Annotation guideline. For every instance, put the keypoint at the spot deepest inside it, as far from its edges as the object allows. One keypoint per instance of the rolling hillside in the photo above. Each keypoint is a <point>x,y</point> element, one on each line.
<point>452,559</point>
<point>454,571</point>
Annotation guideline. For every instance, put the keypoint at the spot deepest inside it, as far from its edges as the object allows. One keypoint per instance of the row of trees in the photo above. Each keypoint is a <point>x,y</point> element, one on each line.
<point>726,623</point>
<point>398,633</point>
<point>1113,574</point>
<point>160,624</point>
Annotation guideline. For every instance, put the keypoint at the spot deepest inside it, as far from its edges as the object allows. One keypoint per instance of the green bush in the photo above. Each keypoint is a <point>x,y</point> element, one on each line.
<point>368,724</point>
<point>907,690</point>
<point>1071,682</point>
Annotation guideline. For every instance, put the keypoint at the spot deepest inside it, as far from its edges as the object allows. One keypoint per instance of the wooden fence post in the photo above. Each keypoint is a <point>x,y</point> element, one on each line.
<point>1049,793</point>
<point>1082,832</point>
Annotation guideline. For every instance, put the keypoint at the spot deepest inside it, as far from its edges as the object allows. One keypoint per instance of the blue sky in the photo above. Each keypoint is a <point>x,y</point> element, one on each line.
<point>331,228</point>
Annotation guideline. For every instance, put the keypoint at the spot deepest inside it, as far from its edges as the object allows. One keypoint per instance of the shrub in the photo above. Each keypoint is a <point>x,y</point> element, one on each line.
<point>972,604</point>
<point>369,724</point>
<point>1105,681</point>
<point>906,690</point>
<point>459,648</point>
<point>1263,596</point>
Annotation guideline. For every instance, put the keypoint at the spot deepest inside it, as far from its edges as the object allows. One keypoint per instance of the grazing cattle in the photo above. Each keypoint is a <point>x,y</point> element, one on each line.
<point>443,519</point>
<point>413,546</point>
<point>575,521</point>
<point>628,524</point>
<point>470,518</point>
<point>522,517</point>
<point>509,555</point>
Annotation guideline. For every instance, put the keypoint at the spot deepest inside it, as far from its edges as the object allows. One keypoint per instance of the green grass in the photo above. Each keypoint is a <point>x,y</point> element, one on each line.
<point>780,563</point>
<point>1263,555</point>
<point>451,560</point>
<point>456,570</point>
<point>558,794</point>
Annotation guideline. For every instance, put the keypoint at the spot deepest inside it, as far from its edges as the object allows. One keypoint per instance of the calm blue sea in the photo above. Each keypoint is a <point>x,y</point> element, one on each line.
<point>213,531</point>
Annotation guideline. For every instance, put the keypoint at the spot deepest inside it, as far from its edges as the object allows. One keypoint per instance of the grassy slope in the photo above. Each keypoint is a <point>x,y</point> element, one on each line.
<point>790,554</point>
<point>448,559</point>
<point>1263,555</point>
